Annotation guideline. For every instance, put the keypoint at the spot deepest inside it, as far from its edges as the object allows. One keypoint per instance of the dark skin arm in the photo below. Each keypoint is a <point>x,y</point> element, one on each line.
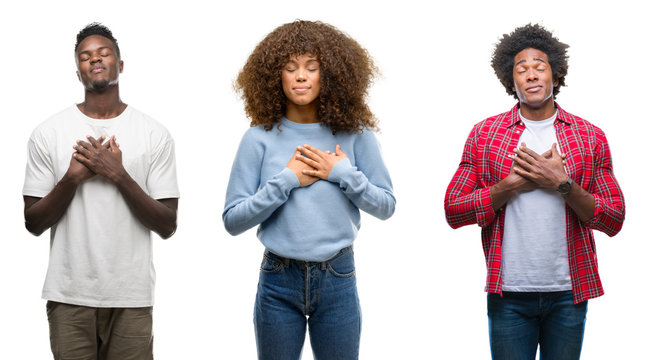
<point>159,216</point>
<point>42,213</point>
<point>549,172</point>
<point>502,191</point>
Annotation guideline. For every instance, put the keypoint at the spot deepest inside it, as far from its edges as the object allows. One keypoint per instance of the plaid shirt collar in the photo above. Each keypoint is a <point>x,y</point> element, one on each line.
<point>513,119</point>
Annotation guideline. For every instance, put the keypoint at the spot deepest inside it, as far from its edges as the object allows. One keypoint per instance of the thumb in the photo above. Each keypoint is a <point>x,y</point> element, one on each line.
<point>339,151</point>
<point>554,150</point>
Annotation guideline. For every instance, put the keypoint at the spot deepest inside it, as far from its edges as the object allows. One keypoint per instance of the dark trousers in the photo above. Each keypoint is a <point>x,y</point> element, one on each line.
<point>519,322</point>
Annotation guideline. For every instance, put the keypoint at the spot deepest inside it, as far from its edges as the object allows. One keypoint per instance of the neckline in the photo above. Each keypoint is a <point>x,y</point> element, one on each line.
<point>286,122</point>
<point>102,122</point>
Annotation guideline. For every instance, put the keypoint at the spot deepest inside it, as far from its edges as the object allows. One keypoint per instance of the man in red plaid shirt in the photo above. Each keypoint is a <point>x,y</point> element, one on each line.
<point>538,180</point>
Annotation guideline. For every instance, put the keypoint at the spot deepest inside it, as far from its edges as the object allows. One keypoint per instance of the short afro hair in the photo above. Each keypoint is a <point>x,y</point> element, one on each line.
<point>535,37</point>
<point>346,73</point>
<point>97,29</point>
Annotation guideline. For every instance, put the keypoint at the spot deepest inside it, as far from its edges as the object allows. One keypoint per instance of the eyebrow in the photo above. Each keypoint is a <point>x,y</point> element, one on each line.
<point>536,59</point>
<point>295,62</point>
<point>100,48</point>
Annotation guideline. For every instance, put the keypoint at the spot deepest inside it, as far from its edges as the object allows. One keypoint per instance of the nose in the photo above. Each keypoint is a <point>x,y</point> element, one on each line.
<point>301,75</point>
<point>532,75</point>
<point>95,57</point>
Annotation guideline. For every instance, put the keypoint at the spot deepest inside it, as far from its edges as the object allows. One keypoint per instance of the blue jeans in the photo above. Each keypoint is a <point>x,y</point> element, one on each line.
<point>518,322</point>
<point>294,293</point>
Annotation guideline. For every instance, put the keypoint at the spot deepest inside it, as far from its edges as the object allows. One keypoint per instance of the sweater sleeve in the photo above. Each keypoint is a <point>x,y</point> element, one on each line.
<point>368,184</point>
<point>248,202</point>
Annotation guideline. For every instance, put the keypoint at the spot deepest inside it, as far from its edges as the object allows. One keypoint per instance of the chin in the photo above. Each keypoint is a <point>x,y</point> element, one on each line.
<point>98,85</point>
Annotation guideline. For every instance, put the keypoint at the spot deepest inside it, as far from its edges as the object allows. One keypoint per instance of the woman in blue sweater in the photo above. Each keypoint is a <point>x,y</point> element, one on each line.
<point>303,171</point>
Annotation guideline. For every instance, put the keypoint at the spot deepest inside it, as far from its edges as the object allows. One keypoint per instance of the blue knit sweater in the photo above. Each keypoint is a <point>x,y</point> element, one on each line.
<point>309,223</point>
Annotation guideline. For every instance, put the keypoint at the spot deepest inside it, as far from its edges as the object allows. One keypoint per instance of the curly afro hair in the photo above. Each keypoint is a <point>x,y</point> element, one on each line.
<point>529,36</point>
<point>346,73</point>
<point>96,29</point>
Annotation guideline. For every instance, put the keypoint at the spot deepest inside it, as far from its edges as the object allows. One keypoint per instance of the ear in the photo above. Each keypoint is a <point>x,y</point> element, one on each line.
<point>79,76</point>
<point>555,82</point>
<point>122,64</point>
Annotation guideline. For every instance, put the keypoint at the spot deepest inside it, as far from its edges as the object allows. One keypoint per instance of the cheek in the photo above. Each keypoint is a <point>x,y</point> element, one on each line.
<point>317,84</point>
<point>285,84</point>
<point>286,80</point>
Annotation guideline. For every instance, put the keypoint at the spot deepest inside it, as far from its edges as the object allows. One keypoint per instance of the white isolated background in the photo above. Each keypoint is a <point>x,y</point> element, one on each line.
<point>420,282</point>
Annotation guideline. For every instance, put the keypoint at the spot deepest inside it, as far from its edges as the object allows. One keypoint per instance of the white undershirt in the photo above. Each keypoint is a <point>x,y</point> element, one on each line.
<point>534,249</point>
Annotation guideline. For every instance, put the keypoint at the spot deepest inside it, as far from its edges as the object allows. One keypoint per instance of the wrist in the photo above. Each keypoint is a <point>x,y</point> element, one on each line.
<point>564,187</point>
<point>71,178</point>
<point>507,185</point>
<point>119,177</point>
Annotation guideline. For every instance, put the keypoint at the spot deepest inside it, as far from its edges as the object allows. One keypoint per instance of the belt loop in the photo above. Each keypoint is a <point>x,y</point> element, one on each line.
<point>324,264</point>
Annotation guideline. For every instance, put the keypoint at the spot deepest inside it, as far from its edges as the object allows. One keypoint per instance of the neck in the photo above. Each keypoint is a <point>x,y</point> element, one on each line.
<point>538,113</point>
<point>105,104</point>
<point>303,114</point>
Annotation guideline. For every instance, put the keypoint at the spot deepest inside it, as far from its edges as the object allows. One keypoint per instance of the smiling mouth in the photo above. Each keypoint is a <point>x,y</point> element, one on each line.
<point>533,89</point>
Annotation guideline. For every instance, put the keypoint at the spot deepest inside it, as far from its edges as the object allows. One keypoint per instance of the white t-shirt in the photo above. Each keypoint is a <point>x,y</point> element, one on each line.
<point>100,253</point>
<point>534,254</point>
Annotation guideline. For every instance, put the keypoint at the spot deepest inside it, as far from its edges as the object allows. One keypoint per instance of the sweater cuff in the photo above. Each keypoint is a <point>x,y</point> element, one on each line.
<point>340,170</point>
<point>287,179</point>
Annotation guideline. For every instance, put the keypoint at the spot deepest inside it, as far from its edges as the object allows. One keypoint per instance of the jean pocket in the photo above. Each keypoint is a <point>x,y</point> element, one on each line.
<point>343,265</point>
<point>270,265</point>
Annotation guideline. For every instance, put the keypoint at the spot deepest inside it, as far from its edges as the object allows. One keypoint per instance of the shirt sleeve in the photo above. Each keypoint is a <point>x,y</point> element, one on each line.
<point>247,204</point>
<point>40,177</point>
<point>609,205</point>
<point>162,177</point>
<point>368,184</point>
<point>465,201</point>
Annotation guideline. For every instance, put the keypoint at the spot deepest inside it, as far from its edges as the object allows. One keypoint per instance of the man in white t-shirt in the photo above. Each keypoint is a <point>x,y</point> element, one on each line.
<point>101,175</point>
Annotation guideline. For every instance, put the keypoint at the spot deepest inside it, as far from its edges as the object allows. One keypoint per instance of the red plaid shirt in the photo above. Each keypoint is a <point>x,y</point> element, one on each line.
<point>485,162</point>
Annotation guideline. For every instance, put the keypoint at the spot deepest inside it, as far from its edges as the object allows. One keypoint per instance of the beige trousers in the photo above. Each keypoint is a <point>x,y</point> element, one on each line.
<point>88,333</point>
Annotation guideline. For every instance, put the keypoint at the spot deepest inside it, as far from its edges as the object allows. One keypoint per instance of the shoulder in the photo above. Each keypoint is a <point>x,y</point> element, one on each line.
<point>254,140</point>
<point>258,134</point>
<point>149,125</point>
<point>493,127</point>
<point>496,121</point>
<point>366,138</point>
<point>49,128</point>
<point>137,116</point>
<point>582,126</point>
<point>60,118</point>
<point>364,143</point>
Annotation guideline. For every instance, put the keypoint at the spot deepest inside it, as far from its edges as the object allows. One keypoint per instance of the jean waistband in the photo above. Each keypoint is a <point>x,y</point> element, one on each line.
<point>286,261</point>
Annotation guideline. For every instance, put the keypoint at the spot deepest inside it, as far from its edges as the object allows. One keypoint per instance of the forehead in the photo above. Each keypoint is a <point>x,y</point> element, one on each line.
<point>95,42</point>
<point>303,57</point>
<point>530,55</point>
